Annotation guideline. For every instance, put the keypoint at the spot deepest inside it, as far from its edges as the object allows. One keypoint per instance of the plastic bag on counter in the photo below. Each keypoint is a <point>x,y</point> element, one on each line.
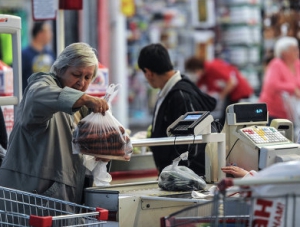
<point>180,178</point>
<point>102,136</point>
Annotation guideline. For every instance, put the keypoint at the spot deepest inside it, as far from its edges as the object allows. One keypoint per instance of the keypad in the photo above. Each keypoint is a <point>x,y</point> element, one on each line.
<point>261,134</point>
<point>181,127</point>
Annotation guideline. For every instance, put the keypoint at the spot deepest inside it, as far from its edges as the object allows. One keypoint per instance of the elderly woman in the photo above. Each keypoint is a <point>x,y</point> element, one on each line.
<point>282,75</point>
<point>39,158</point>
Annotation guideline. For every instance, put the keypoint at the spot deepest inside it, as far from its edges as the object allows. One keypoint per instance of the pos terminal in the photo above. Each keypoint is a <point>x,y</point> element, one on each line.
<point>191,123</point>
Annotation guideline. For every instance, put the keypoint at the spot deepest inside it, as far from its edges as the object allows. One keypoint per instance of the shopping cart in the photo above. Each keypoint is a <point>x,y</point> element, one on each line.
<point>241,206</point>
<point>19,208</point>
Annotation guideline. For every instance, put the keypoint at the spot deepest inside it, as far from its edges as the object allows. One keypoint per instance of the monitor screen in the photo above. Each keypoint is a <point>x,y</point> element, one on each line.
<point>251,113</point>
<point>192,117</point>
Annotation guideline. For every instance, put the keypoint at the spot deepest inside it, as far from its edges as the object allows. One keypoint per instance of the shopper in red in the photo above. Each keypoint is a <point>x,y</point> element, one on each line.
<point>219,79</point>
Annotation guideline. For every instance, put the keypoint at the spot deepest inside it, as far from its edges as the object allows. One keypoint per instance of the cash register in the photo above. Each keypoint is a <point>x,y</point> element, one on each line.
<point>253,145</point>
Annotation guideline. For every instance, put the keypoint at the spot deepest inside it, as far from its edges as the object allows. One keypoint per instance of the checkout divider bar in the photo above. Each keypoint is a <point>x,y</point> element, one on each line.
<point>219,138</point>
<point>9,100</point>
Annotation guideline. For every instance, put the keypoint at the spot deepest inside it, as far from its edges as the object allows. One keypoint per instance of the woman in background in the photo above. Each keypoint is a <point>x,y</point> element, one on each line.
<point>282,75</point>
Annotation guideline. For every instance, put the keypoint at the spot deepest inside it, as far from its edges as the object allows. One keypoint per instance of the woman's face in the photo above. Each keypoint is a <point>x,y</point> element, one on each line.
<point>78,78</point>
<point>291,54</point>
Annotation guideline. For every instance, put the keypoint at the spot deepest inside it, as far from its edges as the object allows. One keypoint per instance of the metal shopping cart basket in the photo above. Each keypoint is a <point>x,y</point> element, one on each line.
<point>19,208</point>
<point>240,206</point>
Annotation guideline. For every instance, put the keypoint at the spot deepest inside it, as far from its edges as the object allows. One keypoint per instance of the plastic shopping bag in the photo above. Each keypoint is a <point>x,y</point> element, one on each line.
<point>98,169</point>
<point>180,178</point>
<point>101,176</point>
<point>102,136</point>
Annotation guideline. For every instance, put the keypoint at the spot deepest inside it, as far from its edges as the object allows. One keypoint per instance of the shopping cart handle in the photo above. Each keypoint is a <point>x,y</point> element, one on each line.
<point>106,215</point>
<point>225,183</point>
<point>40,221</point>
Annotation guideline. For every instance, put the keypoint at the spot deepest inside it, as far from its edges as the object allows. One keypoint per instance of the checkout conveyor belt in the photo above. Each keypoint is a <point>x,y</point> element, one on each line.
<point>149,188</point>
<point>138,204</point>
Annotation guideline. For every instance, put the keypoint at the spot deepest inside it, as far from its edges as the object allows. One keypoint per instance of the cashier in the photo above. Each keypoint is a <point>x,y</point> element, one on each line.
<point>39,158</point>
<point>177,96</point>
<point>237,172</point>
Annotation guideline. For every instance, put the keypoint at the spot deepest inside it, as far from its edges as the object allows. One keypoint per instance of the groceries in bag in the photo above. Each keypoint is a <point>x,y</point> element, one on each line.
<point>180,178</point>
<point>103,137</point>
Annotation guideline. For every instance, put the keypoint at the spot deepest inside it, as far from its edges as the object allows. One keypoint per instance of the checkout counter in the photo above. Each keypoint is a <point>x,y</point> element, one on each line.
<point>249,144</point>
<point>144,203</point>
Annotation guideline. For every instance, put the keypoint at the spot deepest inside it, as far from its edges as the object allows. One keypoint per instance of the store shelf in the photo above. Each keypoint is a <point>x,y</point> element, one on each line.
<point>240,37</point>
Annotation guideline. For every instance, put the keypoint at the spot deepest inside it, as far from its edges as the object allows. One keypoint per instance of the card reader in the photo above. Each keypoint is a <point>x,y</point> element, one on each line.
<point>191,123</point>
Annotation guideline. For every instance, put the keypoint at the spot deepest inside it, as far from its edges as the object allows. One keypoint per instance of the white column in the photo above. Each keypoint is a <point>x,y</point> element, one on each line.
<point>60,31</point>
<point>118,62</point>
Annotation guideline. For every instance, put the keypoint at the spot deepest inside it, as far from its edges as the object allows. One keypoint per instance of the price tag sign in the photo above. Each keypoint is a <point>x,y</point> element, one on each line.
<point>44,9</point>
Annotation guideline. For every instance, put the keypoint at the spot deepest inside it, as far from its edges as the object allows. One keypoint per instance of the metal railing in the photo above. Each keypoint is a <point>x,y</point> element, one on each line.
<point>213,171</point>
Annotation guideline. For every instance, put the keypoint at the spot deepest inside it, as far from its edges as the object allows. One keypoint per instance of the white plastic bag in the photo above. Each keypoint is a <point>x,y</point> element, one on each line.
<point>98,169</point>
<point>180,178</point>
<point>102,136</point>
<point>101,176</point>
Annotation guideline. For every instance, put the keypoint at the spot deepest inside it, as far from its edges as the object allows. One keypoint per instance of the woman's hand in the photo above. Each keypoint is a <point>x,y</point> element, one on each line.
<point>97,105</point>
<point>234,170</point>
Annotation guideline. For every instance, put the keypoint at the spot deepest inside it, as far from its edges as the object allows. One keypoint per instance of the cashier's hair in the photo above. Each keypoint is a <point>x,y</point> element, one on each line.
<point>283,44</point>
<point>76,55</point>
<point>156,58</point>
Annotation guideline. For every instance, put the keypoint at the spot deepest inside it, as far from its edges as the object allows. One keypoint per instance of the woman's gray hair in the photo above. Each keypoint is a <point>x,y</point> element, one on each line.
<point>77,55</point>
<point>283,44</point>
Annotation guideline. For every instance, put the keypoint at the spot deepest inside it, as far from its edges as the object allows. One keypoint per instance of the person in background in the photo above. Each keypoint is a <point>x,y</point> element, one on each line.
<point>37,56</point>
<point>177,96</point>
<point>3,137</point>
<point>39,157</point>
<point>219,79</point>
<point>282,75</point>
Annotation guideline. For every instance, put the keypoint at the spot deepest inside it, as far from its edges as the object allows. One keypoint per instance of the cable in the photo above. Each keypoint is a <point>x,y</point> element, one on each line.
<point>175,146</point>
<point>192,144</point>
<point>232,148</point>
<point>189,147</point>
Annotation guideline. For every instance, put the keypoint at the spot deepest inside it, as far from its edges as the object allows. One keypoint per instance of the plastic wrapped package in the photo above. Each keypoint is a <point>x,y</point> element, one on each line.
<point>102,136</point>
<point>180,178</point>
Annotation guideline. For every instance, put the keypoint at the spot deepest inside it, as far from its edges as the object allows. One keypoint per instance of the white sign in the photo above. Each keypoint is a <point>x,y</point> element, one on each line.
<point>44,9</point>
